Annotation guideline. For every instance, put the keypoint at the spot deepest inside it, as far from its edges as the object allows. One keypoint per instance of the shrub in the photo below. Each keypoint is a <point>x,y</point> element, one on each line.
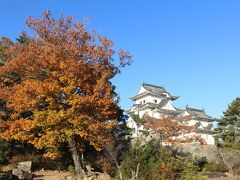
<point>231,157</point>
<point>71,169</point>
<point>236,170</point>
<point>5,151</point>
<point>28,153</point>
<point>235,145</point>
<point>108,167</point>
<point>7,176</point>
<point>38,161</point>
<point>214,167</point>
<point>156,162</point>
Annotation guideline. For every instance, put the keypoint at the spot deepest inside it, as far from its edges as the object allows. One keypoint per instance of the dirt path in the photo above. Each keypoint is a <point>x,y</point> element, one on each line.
<point>225,178</point>
<point>56,175</point>
<point>228,177</point>
<point>50,175</point>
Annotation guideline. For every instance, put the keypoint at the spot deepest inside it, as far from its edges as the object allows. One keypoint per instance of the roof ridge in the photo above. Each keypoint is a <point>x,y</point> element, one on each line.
<point>200,110</point>
<point>153,86</point>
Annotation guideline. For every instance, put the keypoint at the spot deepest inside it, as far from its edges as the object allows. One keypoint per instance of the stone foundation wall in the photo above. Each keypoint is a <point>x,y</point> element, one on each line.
<point>224,156</point>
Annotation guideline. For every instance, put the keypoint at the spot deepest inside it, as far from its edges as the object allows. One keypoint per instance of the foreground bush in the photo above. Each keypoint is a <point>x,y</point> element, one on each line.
<point>236,170</point>
<point>5,151</point>
<point>214,167</point>
<point>152,161</point>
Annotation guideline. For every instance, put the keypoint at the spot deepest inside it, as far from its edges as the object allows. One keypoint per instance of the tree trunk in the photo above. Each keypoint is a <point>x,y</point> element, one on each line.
<point>119,170</point>
<point>76,158</point>
<point>135,173</point>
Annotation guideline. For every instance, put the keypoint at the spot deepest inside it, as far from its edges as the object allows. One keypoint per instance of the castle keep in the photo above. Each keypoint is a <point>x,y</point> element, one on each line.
<point>158,103</point>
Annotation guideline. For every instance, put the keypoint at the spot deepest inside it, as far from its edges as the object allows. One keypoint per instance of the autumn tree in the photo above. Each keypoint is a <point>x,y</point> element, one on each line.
<point>5,45</point>
<point>172,130</point>
<point>64,93</point>
<point>5,147</point>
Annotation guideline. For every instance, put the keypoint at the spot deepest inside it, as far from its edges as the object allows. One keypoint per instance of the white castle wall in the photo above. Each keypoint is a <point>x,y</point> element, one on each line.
<point>148,99</point>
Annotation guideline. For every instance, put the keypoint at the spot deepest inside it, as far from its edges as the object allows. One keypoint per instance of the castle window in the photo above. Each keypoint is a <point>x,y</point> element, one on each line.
<point>144,101</point>
<point>155,100</point>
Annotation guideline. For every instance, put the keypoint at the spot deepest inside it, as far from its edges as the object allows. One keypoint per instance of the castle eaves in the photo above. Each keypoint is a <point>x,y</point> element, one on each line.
<point>199,113</point>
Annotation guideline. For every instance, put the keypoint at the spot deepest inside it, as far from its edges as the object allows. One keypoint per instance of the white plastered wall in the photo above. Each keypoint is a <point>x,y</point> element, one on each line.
<point>148,99</point>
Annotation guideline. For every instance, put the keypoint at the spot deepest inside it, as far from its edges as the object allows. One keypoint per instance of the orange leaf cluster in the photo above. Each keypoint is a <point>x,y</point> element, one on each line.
<point>65,87</point>
<point>173,130</point>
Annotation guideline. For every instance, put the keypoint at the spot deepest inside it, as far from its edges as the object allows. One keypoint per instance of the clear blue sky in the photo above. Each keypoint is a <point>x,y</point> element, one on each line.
<point>192,48</point>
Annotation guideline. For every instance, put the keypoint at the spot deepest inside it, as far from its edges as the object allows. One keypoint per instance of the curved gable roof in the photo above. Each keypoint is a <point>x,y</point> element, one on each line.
<point>158,90</point>
<point>199,113</point>
<point>154,90</point>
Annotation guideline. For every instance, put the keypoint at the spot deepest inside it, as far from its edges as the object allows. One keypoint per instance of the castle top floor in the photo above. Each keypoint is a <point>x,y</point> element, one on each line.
<point>152,94</point>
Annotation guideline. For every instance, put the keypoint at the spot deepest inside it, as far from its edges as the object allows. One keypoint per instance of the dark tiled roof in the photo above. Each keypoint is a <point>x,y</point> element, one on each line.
<point>158,107</point>
<point>208,127</point>
<point>154,105</point>
<point>158,90</point>
<point>197,124</point>
<point>198,113</point>
<point>163,102</point>
<point>206,131</point>
<point>147,104</point>
<point>178,109</point>
<point>154,89</point>
<point>167,111</point>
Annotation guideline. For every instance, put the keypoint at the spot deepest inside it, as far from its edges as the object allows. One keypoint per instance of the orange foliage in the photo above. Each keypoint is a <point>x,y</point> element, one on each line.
<point>65,84</point>
<point>2,114</point>
<point>173,130</point>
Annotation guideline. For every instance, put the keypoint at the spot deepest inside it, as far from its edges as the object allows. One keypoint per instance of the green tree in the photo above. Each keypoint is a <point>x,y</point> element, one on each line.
<point>5,151</point>
<point>5,44</point>
<point>229,125</point>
